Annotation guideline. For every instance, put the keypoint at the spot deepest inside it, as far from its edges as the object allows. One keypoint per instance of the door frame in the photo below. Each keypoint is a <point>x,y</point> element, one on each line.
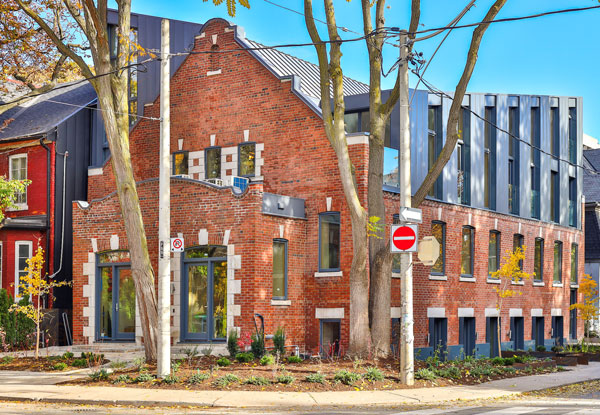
<point>116,267</point>
<point>558,331</point>
<point>210,263</point>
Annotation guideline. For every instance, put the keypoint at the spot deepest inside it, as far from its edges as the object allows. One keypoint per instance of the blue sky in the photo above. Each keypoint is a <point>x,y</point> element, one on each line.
<point>552,55</point>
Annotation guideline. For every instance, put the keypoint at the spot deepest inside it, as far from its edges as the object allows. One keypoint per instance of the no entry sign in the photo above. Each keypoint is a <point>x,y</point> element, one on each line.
<point>404,238</point>
<point>177,245</point>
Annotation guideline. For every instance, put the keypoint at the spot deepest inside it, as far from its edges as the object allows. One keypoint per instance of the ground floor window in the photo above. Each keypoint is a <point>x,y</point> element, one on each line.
<point>330,338</point>
<point>438,336</point>
<point>23,252</point>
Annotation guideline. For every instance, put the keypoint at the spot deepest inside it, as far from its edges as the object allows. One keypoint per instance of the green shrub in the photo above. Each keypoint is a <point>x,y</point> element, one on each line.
<point>257,380</point>
<point>279,341</point>
<point>60,366</point>
<point>144,377</point>
<point>480,371</point>
<point>175,366</point>
<point>79,363</point>
<point>267,360</point>
<point>223,361</point>
<point>450,372</point>
<point>19,329</point>
<point>285,378</point>
<point>519,359</point>
<point>346,377</point>
<point>198,377</point>
<point>118,364</point>
<point>509,370</point>
<point>498,361</point>
<point>67,355</point>
<point>170,379</point>
<point>315,378</point>
<point>541,348</point>
<point>294,359</point>
<point>373,374</point>
<point>244,357</point>
<point>509,361</point>
<point>99,375</point>
<point>7,359</point>
<point>122,379</point>
<point>425,374</point>
<point>139,363</point>
<point>226,380</point>
<point>257,346</point>
<point>232,343</point>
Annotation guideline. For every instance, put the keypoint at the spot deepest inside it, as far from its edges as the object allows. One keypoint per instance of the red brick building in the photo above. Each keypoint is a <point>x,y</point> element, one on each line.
<point>256,195</point>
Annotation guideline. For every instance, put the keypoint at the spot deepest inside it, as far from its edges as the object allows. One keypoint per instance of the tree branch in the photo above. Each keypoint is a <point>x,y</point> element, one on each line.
<point>455,109</point>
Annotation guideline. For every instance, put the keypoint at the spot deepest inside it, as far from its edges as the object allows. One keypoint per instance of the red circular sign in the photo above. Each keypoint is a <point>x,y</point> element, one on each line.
<point>177,243</point>
<point>404,238</point>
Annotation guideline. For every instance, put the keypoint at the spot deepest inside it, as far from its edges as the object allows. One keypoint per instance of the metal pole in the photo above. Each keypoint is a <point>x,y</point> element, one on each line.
<point>406,346</point>
<point>164,211</point>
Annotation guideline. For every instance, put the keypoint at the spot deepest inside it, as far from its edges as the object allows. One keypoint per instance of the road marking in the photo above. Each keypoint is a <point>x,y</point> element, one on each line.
<point>515,410</point>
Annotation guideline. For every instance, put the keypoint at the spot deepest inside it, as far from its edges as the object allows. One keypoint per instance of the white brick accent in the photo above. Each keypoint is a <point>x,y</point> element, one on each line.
<point>226,236</point>
<point>88,312</point>
<point>436,312</point>
<point>87,290</point>
<point>322,313</point>
<point>203,237</point>
<point>556,312</point>
<point>537,312</point>
<point>94,242</point>
<point>492,312</point>
<point>97,171</point>
<point>237,262</point>
<point>466,312</point>
<point>114,242</point>
<point>357,139</point>
<point>88,268</point>
<point>236,310</point>
<point>515,312</point>
<point>395,312</point>
<point>91,257</point>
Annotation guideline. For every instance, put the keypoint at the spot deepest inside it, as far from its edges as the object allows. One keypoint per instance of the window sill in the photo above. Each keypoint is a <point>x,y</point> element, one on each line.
<point>329,274</point>
<point>396,274</point>
<point>574,285</point>
<point>517,283</point>
<point>17,208</point>
<point>466,279</point>
<point>438,277</point>
<point>557,284</point>
<point>281,302</point>
<point>539,284</point>
<point>493,280</point>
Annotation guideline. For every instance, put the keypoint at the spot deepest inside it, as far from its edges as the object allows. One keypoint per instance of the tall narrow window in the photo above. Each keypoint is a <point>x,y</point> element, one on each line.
<point>518,243</point>
<point>574,263</point>
<point>538,260</point>
<point>329,241</point>
<point>212,157</point>
<point>247,159</point>
<point>438,230</point>
<point>180,163</point>
<point>573,135</point>
<point>557,261</point>
<point>554,197</point>
<point>280,263</point>
<point>18,171</point>
<point>464,157</point>
<point>554,131</point>
<point>513,160</point>
<point>572,201</point>
<point>489,159</point>
<point>434,146</point>
<point>535,162</point>
<point>23,252</point>
<point>493,252</point>
<point>466,252</point>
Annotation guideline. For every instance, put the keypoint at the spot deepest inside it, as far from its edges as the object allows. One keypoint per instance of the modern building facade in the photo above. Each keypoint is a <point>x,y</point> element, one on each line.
<point>591,190</point>
<point>257,197</point>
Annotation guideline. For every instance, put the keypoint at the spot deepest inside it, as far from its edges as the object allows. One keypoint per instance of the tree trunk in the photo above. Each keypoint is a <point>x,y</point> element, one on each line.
<point>37,330</point>
<point>359,289</point>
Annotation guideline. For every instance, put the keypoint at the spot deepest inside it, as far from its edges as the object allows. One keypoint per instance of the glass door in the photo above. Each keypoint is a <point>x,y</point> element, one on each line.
<point>197,302</point>
<point>116,299</point>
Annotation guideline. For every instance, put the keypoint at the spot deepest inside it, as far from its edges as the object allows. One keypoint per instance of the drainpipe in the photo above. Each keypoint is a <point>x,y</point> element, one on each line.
<point>48,157</point>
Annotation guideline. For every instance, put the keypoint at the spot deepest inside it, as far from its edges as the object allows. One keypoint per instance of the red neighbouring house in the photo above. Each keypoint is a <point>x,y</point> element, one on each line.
<point>257,197</point>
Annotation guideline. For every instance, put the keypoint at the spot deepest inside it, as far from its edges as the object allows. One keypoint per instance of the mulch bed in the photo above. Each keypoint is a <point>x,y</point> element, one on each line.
<point>388,367</point>
<point>44,363</point>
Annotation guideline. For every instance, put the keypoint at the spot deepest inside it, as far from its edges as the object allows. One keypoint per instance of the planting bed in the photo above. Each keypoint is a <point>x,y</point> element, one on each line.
<point>65,362</point>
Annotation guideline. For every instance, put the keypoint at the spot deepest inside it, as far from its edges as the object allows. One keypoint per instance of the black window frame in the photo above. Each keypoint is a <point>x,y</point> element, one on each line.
<point>490,135</point>
<point>558,270</point>
<point>220,159</point>
<point>339,223</point>
<point>572,139</point>
<point>284,242</point>
<point>442,248</point>
<point>465,158</point>
<point>535,161</point>
<point>437,190</point>
<point>554,196</point>
<point>240,146</point>
<point>471,248</point>
<point>513,160</point>
<point>518,242</point>
<point>555,131</point>
<point>573,202</point>
<point>187,167</point>
<point>498,242</point>
<point>574,264</point>
<point>539,278</point>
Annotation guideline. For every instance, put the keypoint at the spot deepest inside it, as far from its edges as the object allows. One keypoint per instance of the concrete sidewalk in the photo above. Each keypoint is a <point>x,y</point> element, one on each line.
<point>42,387</point>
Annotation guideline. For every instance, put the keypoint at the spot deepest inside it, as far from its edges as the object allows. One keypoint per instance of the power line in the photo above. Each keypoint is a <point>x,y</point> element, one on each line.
<point>437,91</point>
<point>103,110</point>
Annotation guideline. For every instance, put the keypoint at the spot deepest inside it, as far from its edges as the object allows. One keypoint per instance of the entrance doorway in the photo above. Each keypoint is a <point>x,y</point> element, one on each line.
<point>573,316</point>
<point>517,331</point>
<point>204,294</point>
<point>438,336</point>
<point>467,334</point>
<point>330,338</point>
<point>557,330</point>
<point>537,328</point>
<point>115,297</point>
<point>491,335</point>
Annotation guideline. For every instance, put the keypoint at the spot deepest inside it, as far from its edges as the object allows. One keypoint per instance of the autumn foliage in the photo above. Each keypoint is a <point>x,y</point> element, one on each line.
<point>588,309</point>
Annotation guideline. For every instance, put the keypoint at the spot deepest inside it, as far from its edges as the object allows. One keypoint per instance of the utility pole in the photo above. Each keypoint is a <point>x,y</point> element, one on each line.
<point>407,367</point>
<point>164,211</point>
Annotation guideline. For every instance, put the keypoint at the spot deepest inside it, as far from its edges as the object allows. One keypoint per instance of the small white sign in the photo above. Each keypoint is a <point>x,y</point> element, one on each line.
<point>177,244</point>
<point>410,215</point>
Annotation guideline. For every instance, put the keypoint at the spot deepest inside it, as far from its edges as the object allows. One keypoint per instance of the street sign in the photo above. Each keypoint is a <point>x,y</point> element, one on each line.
<point>429,250</point>
<point>404,238</point>
<point>177,244</point>
<point>410,215</point>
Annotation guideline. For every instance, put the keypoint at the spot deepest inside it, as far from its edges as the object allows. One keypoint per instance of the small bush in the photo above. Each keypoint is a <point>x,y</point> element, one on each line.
<point>232,343</point>
<point>267,360</point>
<point>79,363</point>
<point>425,374</point>
<point>244,357</point>
<point>226,380</point>
<point>139,363</point>
<point>122,379</point>
<point>118,364</point>
<point>285,378</point>
<point>99,375</point>
<point>223,362</point>
<point>519,359</point>
<point>373,374</point>
<point>198,378</point>
<point>175,366</point>
<point>315,378</point>
<point>481,371</point>
<point>144,377</point>
<point>541,348</point>
<point>509,370</point>
<point>257,380</point>
<point>294,359</point>
<point>257,346</point>
<point>8,359</point>
<point>346,377</point>
<point>60,366</point>
<point>67,355</point>
<point>170,379</point>
<point>509,361</point>
<point>450,372</point>
<point>498,361</point>
<point>279,341</point>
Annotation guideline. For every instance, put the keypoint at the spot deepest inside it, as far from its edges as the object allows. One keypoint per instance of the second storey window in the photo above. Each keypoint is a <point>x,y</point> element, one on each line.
<point>329,241</point>
<point>513,160</point>
<point>554,131</point>
<point>489,159</point>
<point>494,252</point>
<point>247,159</point>
<point>574,261</point>
<point>554,197</point>
<point>280,256</point>
<point>518,243</point>
<point>573,135</point>
<point>557,262</point>
<point>434,146</point>
<point>23,252</point>
<point>438,230</point>
<point>212,158</point>
<point>180,163</point>
<point>538,260</point>
<point>18,171</point>
<point>535,162</point>
<point>466,252</point>
<point>572,201</point>
<point>463,152</point>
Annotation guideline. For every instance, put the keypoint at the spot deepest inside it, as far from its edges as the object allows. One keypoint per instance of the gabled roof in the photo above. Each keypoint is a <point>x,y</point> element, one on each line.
<point>591,181</point>
<point>44,112</point>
